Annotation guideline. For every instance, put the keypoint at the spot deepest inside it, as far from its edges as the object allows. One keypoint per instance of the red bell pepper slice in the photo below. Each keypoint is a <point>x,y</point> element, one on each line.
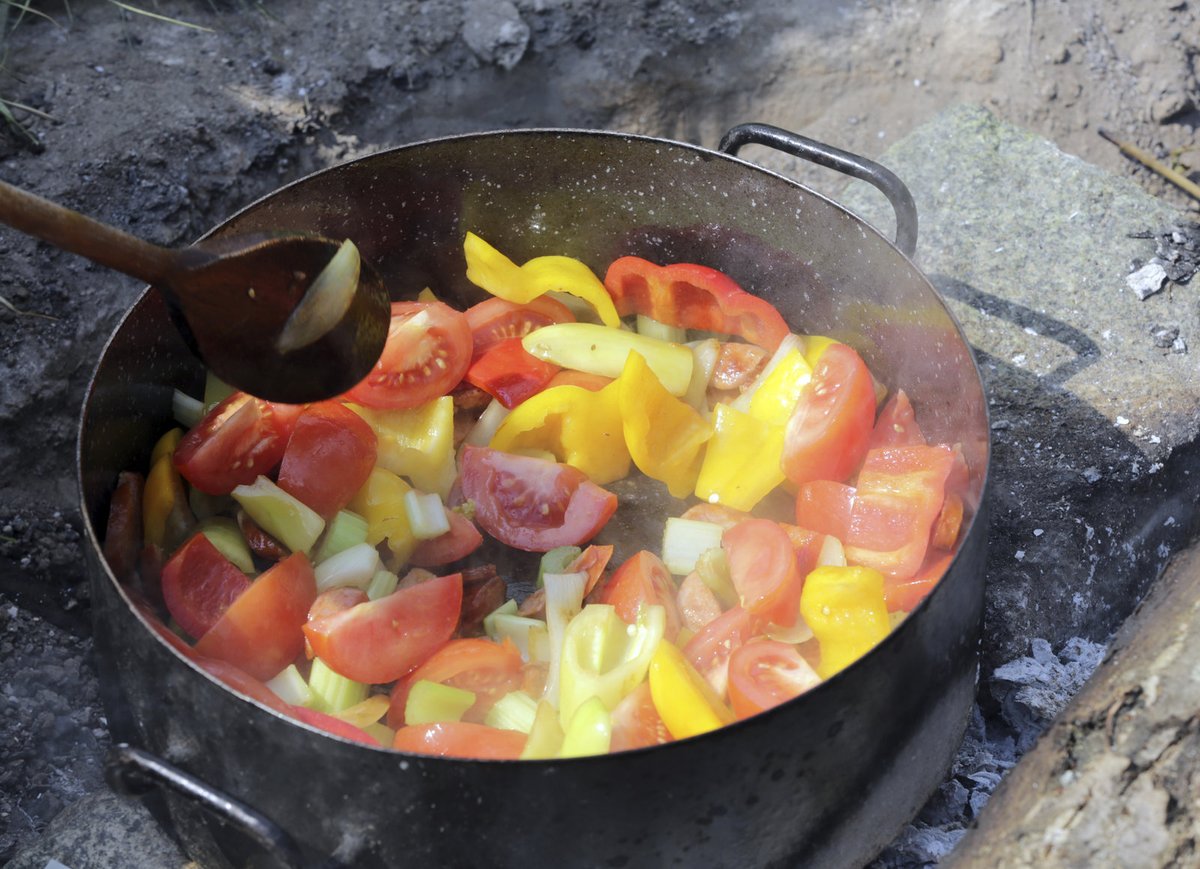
<point>506,372</point>
<point>693,297</point>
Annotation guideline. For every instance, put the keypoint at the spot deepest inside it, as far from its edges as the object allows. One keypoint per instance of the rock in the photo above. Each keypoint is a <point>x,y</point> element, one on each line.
<point>1147,280</point>
<point>496,32</point>
<point>1030,247</point>
<point>99,830</point>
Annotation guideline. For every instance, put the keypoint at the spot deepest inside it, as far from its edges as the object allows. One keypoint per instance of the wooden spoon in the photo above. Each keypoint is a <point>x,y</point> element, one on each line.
<point>232,299</point>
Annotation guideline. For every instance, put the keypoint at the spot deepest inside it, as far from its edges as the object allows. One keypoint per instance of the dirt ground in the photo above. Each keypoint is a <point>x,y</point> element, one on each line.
<point>165,130</point>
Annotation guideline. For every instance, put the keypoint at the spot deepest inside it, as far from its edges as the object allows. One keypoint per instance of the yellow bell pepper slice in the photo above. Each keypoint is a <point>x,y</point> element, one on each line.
<point>778,394</point>
<point>167,519</point>
<point>685,701</point>
<point>665,436</point>
<point>165,445</point>
<point>381,502</point>
<point>600,350</point>
<point>491,270</point>
<point>742,462</point>
<point>576,426</point>
<point>417,443</point>
<point>604,657</point>
<point>814,346</point>
<point>846,610</point>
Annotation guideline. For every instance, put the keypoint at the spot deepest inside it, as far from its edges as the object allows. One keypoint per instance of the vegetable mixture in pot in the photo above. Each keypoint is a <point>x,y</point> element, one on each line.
<point>329,560</point>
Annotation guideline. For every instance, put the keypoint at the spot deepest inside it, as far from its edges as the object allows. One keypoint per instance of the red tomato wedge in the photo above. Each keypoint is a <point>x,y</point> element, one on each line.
<point>260,632</point>
<point>904,594</point>
<point>494,320</point>
<point>427,353</point>
<point>533,504</point>
<point>643,580</point>
<point>509,374</point>
<point>328,458</point>
<point>828,432</point>
<point>461,540</point>
<point>488,670</point>
<point>896,425</point>
<point>636,723</point>
<point>764,674</point>
<point>199,584</point>
<point>825,507</point>
<point>332,724</point>
<point>383,640</point>
<point>235,442</point>
<point>693,297</point>
<point>460,739</point>
<point>710,648</point>
<point>762,565</point>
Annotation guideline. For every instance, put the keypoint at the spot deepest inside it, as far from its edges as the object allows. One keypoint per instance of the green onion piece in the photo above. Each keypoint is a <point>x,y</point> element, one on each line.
<point>224,534</point>
<point>382,584</point>
<point>430,702</point>
<point>215,391</point>
<point>557,560</point>
<point>545,736</point>
<point>590,731</point>
<point>662,331</point>
<point>333,692</point>
<point>564,600</point>
<point>282,516</point>
<point>704,362</point>
<point>355,567</point>
<point>713,568</point>
<point>290,687</point>
<point>325,301</point>
<point>514,711</point>
<point>484,430</point>
<point>426,514</point>
<point>684,540</point>
<point>508,608</point>
<point>530,636</point>
<point>346,529</point>
<point>382,732</point>
<point>187,410</point>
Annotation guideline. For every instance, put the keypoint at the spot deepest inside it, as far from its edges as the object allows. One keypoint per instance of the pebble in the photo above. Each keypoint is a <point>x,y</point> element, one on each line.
<point>1147,280</point>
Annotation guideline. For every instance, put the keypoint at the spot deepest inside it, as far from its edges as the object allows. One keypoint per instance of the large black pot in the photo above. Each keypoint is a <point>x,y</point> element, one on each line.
<point>827,779</point>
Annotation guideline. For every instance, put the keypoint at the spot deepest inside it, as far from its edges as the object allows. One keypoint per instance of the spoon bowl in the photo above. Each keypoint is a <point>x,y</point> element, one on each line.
<point>232,299</point>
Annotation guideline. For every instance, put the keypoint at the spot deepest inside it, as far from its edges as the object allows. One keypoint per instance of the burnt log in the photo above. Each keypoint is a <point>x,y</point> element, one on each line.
<point>1115,779</point>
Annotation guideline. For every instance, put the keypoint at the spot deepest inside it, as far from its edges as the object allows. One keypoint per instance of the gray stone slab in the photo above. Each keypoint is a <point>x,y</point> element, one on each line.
<point>1094,424</point>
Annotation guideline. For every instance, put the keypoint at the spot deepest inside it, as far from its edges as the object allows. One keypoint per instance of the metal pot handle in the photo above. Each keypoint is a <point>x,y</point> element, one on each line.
<point>834,158</point>
<point>132,772</point>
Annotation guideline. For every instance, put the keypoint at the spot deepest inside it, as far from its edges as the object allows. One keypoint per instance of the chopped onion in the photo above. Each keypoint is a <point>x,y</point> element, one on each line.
<point>426,514</point>
<point>704,356</point>
<point>355,567</point>
<point>564,600</point>
<point>684,540</point>
<point>832,553</point>
<point>325,302</point>
<point>484,430</point>
<point>187,410</point>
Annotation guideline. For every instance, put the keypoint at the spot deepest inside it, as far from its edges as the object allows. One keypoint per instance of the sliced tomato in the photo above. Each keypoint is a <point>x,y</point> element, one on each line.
<point>710,648</point>
<point>828,432</point>
<point>486,669</point>
<point>825,507</point>
<point>509,374</point>
<point>948,523</point>
<point>239,680</point>
<point>494,320</point>
<point>697,604</point>
<point>427,353</point>
<point>693,297</point>
<point>807,545</point>
<point>460,739</point>
<point>765,673</point>
<point>235,442</point>
<point>199,584</point>
<point>636,723</point>
<point>718,514</point>
<point>762,565</point>
<point>335,600</point>
<point>383,640</point>
<point>261,630</point>
<point>643,580</point>
<point>461,540</point>
<point>332,724</point>
<point>328,457</point>
<point>896,425</point>
<point>533,504</point>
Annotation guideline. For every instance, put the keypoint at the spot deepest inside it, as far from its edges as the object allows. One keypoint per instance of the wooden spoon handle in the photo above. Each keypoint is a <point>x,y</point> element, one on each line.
<point>72,231</point>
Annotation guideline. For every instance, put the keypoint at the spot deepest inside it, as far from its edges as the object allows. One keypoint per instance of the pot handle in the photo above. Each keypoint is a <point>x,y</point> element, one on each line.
<point>834,158</point>
<point>131,771</point>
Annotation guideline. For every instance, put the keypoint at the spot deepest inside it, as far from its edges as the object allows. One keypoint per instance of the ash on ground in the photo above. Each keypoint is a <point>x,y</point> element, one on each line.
<point>1176,259</point>
<point>1030,692</point>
